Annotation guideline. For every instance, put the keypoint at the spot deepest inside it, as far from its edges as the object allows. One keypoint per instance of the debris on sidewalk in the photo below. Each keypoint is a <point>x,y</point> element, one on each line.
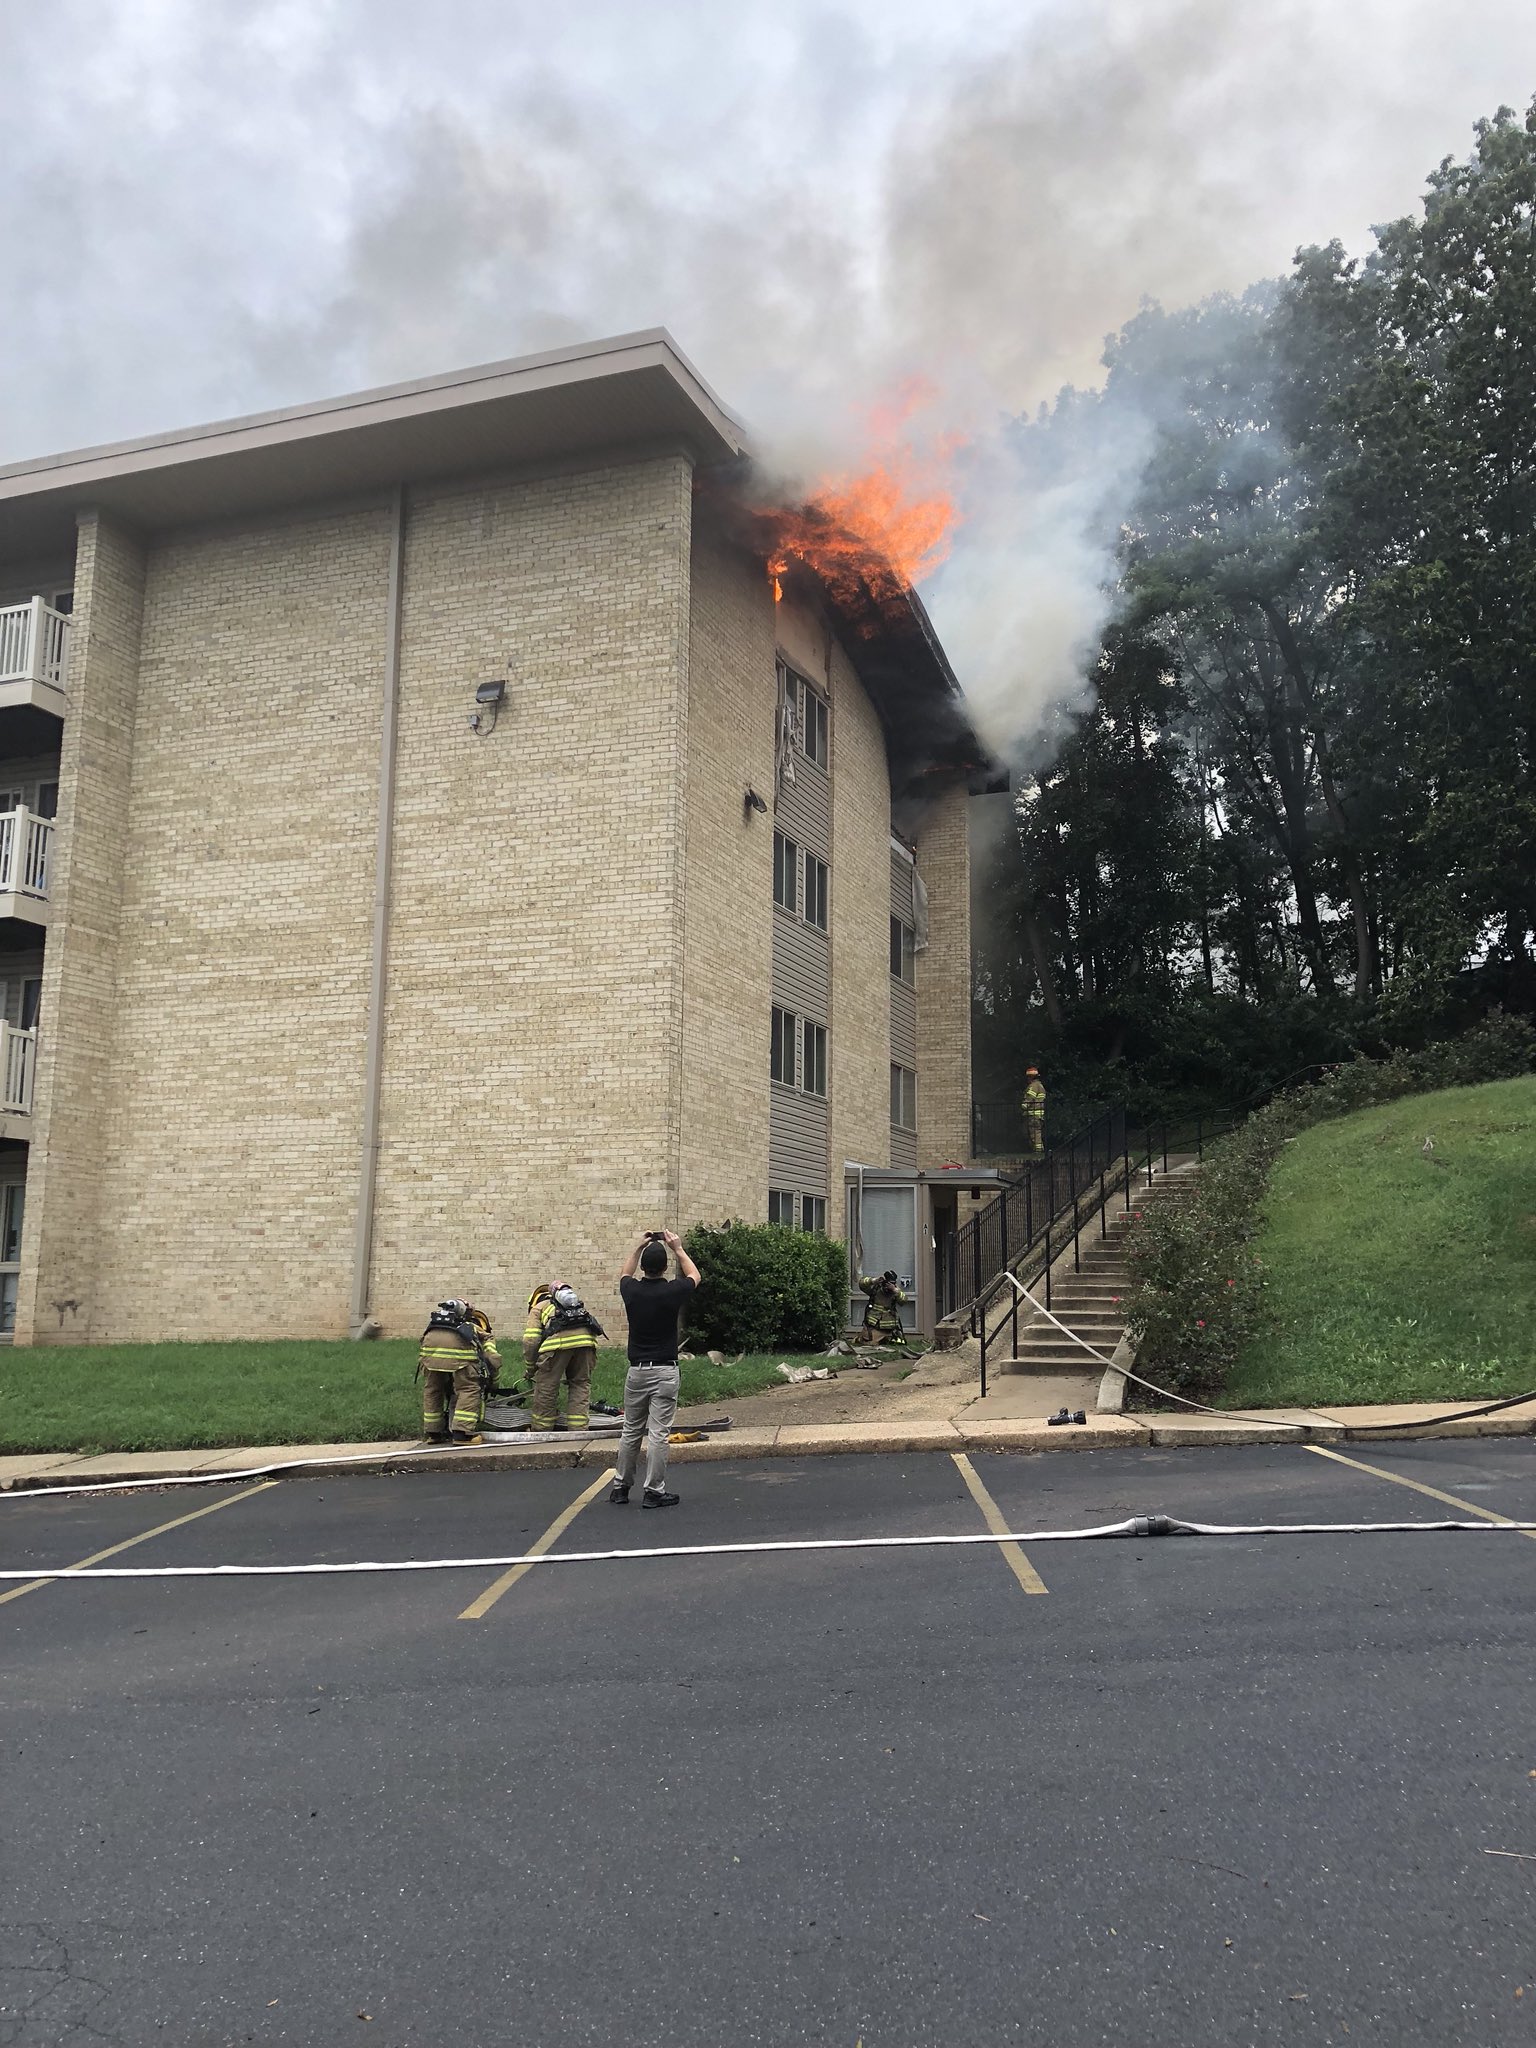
<point>794,1374</point>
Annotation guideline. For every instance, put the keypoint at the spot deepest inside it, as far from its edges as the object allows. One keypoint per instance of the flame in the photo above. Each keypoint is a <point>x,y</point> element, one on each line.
<point>884,527</point>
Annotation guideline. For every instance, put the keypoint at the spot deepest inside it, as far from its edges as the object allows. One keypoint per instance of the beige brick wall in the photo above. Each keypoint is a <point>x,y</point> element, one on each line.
<point>944,984</point>
<point>60,1296</point>
<point>861,911</point>
<point>578,969</point>
<point>229,1135</point>
<point>533,1013</point>
<point>728,881</point>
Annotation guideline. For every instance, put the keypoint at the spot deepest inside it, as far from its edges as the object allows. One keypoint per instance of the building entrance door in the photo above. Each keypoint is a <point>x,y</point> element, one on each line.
<point>883,1232</point>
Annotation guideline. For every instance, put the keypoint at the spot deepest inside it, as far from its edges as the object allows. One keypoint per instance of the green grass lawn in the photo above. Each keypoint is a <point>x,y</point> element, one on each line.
<point>1396,1276</point>
<point>164,1397</point>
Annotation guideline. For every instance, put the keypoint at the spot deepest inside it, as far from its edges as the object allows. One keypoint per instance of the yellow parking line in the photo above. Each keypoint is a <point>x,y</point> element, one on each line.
<point>212,1509</point>
<point>478,1609</point>
<point>1451,1500</point>
<point>1017,1562</point>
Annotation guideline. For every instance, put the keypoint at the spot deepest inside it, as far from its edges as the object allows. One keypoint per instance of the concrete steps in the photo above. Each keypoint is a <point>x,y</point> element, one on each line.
<point>1090,1300</point>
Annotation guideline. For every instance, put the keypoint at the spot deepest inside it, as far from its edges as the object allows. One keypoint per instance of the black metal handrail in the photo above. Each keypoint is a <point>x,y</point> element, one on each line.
<point>1000,1129</point>
<point>993,1238</point>
<point>1080,1191</point>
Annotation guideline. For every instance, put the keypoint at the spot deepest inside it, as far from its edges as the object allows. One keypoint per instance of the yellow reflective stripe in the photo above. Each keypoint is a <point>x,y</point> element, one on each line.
<point>570,1340</point>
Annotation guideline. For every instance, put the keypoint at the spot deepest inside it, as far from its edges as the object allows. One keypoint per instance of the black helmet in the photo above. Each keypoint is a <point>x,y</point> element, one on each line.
<point>889,1274</point>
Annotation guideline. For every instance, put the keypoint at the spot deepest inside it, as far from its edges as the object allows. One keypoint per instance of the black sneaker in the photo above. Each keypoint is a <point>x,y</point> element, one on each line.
<point>618,1496</point>
<point>658,1497</point>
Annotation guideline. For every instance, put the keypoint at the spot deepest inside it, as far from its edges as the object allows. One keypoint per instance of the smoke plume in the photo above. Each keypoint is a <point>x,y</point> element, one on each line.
<point>232,208</point>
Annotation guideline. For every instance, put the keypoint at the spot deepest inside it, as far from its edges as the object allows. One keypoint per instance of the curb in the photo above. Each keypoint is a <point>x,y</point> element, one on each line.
<point>49,1471</point>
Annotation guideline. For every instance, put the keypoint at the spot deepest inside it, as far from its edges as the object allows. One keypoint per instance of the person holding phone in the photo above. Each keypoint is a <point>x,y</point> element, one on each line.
<point>654,1306</point>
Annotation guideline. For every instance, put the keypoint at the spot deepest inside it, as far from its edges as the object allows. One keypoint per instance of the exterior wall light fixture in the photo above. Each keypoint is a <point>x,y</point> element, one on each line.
<point>489,697</point>
<point>753,802</point>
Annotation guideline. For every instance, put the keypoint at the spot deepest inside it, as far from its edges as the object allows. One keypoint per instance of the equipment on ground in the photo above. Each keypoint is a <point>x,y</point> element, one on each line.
<point>696,1432</point>
<point>1065,1415</point>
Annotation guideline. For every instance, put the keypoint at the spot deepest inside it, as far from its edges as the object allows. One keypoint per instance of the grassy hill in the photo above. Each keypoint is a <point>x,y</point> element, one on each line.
<point>1395,1274</point>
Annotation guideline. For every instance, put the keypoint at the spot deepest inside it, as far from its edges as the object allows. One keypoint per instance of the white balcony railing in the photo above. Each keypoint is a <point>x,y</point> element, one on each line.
<point>26,853</point>
<point>34,644</point>
<point>18,1062</point>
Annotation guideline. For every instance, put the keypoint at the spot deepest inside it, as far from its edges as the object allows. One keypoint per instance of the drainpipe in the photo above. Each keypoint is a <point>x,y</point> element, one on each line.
<point>363,1324</point>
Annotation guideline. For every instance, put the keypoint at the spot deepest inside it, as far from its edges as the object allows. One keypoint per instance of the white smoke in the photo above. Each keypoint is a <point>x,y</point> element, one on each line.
<point>208,210</point>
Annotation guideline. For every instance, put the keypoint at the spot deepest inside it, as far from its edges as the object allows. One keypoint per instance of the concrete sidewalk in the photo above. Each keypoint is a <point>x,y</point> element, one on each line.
<point>959,1431</point>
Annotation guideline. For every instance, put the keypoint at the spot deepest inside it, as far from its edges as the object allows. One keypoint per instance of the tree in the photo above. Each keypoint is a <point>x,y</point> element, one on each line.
<point>1414,387</point>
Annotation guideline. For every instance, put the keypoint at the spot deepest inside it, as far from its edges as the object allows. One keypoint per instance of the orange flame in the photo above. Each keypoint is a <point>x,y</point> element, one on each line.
<point>886,527</point>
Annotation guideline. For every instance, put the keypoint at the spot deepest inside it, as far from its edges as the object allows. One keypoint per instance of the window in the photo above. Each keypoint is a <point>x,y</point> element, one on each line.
<point>903,1098</point>
<point>813,1061</point>
<point>808,714</point>
<point>902,955</point>
<point>781,1055</point>
<point>12,1201</point>
<point>789,689</point>
<point>785,860</point>
<point>813,1214</point>
<point>781,1207</point>
<point>815,892</point>
<point>47,799</point>
<point>813,726</point>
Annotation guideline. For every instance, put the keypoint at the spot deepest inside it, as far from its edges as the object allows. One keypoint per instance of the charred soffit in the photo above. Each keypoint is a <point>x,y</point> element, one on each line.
<point>886,634</point>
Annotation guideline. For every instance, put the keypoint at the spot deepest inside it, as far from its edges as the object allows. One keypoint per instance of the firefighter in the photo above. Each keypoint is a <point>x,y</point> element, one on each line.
<point>458,1360</point>
<point>560,1345</point>
<point>884,1299</point>
<point>1034,1110</point>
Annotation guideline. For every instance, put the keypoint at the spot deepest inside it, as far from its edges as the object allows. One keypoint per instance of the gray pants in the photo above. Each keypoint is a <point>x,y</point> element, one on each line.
<point>650,1403</point>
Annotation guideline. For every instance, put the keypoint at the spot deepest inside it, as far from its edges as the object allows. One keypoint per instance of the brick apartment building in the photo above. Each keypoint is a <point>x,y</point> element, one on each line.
<point>430,851</point>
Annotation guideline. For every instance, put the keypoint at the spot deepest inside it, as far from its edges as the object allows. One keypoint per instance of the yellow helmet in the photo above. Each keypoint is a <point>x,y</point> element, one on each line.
<point>481,1321</point>
<point>540,1292</point>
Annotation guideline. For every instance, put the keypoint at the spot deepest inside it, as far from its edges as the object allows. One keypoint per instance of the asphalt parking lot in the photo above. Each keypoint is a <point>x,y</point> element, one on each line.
<point>1239,1790</point>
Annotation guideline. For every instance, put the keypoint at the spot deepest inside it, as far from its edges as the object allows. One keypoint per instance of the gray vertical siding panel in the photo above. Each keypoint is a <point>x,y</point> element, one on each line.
<point>904,1148</point>
<point>804,812</point>
<point>903,1023</point>
<point>802,968</point>
<point>798,1131</point>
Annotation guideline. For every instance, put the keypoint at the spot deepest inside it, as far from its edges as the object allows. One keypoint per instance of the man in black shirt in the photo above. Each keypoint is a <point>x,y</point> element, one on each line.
<point>653,1304</point>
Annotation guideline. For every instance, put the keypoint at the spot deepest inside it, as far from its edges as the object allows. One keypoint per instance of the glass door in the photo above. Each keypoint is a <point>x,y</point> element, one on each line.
<point>883,1237</point>
<point>13,1196</point>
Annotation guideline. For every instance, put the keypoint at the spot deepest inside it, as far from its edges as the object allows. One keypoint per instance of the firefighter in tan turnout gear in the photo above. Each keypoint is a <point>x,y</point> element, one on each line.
<point>560,1346</point>
<point>458,1364</point>
<point>1034,1111</point>
<point>884,1299</point>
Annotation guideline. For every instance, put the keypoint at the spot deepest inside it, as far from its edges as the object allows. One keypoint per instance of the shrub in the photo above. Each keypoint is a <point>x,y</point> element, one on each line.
<point>763,1287</point>
<point>1198,1283</point>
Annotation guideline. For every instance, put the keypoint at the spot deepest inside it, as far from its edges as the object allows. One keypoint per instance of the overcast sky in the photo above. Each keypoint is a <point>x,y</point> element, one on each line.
<point>212,206</point>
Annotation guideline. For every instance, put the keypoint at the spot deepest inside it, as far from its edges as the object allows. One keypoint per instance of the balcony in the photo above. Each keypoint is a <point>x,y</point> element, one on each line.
<point>18,1064</point>
<point>26,855</point>
<point>34,656</point>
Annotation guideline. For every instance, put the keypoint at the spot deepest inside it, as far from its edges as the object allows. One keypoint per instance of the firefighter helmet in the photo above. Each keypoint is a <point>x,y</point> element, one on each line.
<point>481,1321</point>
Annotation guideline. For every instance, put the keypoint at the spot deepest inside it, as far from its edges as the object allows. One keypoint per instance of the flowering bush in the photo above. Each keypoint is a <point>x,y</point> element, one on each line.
<point>1199,1284</point>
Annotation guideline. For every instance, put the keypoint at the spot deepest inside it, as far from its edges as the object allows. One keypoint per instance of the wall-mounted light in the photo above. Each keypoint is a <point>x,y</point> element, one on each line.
<point>490,696</point>
<point>753,802</point>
